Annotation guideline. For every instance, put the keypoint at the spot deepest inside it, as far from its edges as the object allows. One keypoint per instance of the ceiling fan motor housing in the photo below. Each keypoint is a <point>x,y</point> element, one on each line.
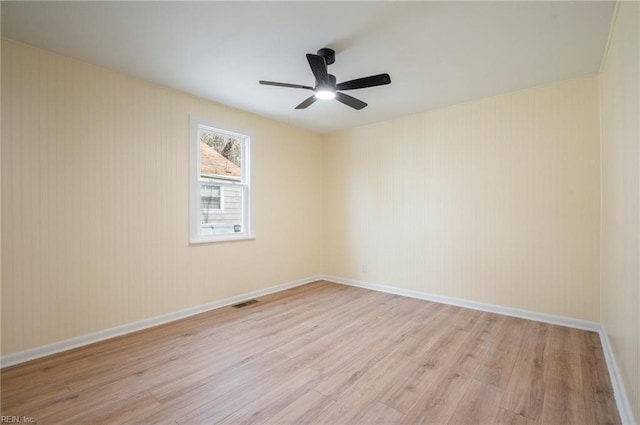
<point>329,55</point>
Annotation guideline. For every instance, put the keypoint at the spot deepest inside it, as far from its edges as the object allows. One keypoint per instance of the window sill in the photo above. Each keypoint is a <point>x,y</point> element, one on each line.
<point>222,238</point>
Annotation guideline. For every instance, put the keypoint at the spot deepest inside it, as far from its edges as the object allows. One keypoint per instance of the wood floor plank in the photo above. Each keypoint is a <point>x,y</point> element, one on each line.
<point>427,333</point>
<point>51,371</point>
<point>479,405</point>
<point>422,311</point>
<point>324,353</point>
<point>498,364</point>
<point>339,380</point>
<point>341,357</point>
<point>329,354</point>
<point>563,385</point>
<point>203,380</point>
<point>274,401</point>
<point>374,382</point>
<point>345,324</point>
<point>32,397</point>
<point>470,356</point>
<point>181,397</point>
<point>467,319</point>
<point>380,414</point>
<point>507,417</point>
<point>433,364</point>
<point>229,400</point>
<point>130,385</point>
<point>525,392</point>
<point>438,404</point>
<point>566,339</point>
<point>489,327</point>
<point>303,410</point>
<point>146,419</point>
<point>112,408</point>
<point>115,372</point>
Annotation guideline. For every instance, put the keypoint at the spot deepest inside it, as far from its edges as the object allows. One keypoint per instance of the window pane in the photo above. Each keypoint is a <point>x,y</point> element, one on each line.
<point>220,155</point>
<point>210,200</point>
<point>227,218</point>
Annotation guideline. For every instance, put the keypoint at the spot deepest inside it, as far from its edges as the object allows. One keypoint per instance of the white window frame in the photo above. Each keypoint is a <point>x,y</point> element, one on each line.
<point>195,124</point>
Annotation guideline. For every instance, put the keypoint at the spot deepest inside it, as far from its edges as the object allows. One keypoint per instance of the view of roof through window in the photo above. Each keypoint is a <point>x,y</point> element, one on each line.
<point>220,155</point>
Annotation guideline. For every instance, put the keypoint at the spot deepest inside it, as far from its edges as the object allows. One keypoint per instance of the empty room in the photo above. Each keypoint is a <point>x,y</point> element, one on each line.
<point>320,212</point>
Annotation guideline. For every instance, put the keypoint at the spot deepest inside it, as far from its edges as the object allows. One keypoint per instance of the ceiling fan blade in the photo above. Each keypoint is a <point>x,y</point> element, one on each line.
<point>319,68</point>
<point>361,83</point>
<point>350,101</point>
<point>293,86</point>
<point>308,101</point>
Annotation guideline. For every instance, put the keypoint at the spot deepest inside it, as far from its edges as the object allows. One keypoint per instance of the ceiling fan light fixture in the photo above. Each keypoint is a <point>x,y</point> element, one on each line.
<point>326,94</point>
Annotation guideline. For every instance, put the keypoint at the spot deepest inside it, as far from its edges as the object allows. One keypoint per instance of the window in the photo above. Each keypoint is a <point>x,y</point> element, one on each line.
<point>220,184</point>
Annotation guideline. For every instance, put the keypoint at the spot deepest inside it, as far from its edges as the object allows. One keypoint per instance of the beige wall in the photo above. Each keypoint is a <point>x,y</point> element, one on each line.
<point>620,253</point>
<point>494,201</point>
<point>95,202</point>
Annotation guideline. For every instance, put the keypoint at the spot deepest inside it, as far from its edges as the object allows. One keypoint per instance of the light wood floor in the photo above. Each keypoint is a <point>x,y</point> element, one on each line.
<point>325,354</point>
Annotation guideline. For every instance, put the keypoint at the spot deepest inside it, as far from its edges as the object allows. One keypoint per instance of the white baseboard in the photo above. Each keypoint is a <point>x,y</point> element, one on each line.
<point>491,308</point>
<point>57,347</point>
<point>624,407</point>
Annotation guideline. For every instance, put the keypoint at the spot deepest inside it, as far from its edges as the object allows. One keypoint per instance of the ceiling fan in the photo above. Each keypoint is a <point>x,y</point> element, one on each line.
<point>326,87</point>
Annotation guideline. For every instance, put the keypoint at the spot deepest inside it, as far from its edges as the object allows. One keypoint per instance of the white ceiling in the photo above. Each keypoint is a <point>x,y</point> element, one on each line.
<point>437,53</point>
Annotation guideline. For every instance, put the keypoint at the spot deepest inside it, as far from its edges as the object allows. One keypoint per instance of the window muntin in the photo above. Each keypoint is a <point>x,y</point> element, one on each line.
<point>220,184</point>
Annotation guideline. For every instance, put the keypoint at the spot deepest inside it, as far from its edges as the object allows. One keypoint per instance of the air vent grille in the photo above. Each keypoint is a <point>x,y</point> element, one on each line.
<point>244,303</point>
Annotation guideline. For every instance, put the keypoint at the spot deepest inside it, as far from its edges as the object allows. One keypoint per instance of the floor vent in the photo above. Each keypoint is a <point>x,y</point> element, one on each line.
<point>244,304</point>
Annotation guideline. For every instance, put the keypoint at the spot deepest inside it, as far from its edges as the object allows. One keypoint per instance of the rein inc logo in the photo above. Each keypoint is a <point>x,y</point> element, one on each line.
<point>17,419</point>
